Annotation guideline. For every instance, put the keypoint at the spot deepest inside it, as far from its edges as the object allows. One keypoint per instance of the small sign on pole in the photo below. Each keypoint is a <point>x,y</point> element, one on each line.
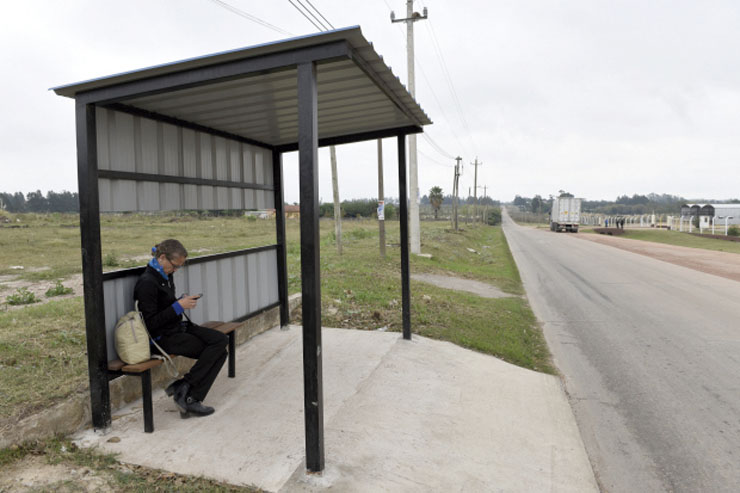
<point>381,210</point>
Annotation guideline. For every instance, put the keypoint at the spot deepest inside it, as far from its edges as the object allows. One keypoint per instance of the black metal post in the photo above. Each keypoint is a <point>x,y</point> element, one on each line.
<point>308,143</point>
<point>92,264</point>
<point>405,282</point>
<point>282,261</point>
<point>146,394</point>
<point>232,354</point>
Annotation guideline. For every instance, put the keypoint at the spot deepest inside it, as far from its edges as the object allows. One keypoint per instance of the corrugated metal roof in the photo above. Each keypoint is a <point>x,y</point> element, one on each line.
<point>356,94</point>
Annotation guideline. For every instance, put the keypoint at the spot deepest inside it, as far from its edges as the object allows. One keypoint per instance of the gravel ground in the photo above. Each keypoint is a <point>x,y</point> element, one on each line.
<point>721,264</point>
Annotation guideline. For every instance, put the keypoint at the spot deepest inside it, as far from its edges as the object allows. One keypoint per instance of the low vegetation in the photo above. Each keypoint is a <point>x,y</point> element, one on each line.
<point>22,296</point>
<point>359,290</point>
<point>58,290</point>
<point>680,239</point>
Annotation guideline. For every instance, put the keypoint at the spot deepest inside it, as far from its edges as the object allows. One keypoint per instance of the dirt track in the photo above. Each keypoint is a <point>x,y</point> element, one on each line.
<point>721,264</point>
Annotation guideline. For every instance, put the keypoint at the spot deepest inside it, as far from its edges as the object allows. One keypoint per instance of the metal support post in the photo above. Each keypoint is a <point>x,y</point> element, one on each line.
<point>146,394</point>
<point>92,264</point>
<point>282,261</point>
<point>403,198</point>
<point>381,200</point>
<point>310,265</point>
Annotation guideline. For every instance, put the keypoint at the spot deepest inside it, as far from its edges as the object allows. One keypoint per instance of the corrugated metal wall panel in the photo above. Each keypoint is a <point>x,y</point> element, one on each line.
<point>101,119</point>
<point>121,142</point>
<point>189,153</point>
<point>171,146</point>
<point>135,144</point>
<point>149,145</point>
<point>241,294</point>
<point>253,283</point>
<point>148,193</point>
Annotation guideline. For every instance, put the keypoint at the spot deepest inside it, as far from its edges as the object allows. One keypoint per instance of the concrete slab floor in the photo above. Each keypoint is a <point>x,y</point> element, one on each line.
<point>422,415</point>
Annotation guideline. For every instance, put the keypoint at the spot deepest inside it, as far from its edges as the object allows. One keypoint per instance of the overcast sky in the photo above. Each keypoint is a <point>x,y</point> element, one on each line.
<point>600,98</point>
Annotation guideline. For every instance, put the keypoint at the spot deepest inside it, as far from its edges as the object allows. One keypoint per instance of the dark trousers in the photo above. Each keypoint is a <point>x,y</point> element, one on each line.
<point>205,345</point>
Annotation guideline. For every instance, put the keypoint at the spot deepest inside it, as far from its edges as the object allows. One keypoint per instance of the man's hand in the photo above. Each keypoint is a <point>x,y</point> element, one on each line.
<point>188,302</point>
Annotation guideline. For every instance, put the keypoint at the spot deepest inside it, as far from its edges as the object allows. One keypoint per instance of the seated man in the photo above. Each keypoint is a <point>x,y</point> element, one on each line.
<point>162,312</point>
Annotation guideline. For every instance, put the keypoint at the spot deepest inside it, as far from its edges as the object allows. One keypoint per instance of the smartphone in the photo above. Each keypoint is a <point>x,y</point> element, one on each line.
<point>198,296</point>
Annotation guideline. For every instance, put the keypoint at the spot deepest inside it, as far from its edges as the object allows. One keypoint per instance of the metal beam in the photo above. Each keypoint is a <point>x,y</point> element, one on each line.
<point>92,264</point>
<point>282,261</point>
<point>218,72</point>
<point>403,206</point>
<point>184,180</point>
<point>310,265</point>
<point>358,137</point>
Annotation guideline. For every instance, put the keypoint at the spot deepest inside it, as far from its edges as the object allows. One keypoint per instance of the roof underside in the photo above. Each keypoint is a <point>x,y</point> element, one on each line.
<point>357,93</point>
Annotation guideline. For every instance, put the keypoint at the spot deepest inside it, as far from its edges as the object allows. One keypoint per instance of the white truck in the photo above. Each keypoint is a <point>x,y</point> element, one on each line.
<point>565,214</point>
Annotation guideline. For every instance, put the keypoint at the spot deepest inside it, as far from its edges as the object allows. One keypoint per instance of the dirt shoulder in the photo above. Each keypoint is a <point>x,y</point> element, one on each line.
<point>721,264</point>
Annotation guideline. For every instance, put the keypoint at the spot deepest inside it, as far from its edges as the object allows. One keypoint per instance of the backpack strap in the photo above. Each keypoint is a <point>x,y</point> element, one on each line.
<point>168,363</point>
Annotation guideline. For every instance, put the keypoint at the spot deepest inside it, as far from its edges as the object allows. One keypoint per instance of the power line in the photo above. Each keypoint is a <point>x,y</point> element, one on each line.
<point>320,28</point>
<point>434,161</point>
<point>250,17</point>
<point>322,15</point>
<point>323,26</point>
<point>434,94</point>
<point>450,84</point>
<point>436,146</point>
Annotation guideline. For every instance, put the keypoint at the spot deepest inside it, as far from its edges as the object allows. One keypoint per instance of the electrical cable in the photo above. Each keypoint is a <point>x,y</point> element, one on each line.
<point>251,17</point>
<point>434,160</point>
<point>439,104</point>
<point>450,84</point>
<point>322,15</point>
<point>317,26</point>
<point>323,26</point>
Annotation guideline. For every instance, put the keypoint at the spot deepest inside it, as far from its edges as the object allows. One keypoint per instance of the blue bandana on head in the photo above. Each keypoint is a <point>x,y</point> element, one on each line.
<point>155,265</point>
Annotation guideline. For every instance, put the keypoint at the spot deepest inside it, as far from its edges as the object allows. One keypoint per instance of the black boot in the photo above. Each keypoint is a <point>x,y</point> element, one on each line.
<point>195,408</point>
<point>172,388</point>
<point>181,394</point>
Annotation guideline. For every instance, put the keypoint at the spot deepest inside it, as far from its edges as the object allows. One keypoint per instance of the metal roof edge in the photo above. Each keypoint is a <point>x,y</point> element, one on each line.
<point>70,90</point>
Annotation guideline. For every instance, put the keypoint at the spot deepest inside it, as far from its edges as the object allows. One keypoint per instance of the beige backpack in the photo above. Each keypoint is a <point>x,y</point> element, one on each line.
<point>132,341</point>
<point>132,338</point>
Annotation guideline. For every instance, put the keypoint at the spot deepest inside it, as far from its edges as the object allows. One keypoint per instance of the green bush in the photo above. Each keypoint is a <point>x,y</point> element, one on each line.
<point>22,296</point>
<point>58,290</point>
<point>494,216</point>
<point>733,231</point>
<point>111,260</point>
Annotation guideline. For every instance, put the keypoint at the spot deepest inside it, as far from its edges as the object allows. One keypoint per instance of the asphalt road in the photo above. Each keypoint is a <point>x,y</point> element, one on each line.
<point>650,355</point>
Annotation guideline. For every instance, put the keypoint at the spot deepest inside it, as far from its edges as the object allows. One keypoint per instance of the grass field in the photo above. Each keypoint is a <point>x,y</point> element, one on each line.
<point>679,239</point>
<point>42,347</point>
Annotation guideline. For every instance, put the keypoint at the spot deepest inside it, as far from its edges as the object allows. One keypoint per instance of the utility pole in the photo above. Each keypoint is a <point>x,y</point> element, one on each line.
<point>414,227</point>
<point>381,200</point>
<point>485,207</point>
<point>467,209</point>
<point>337,204</point>
<point>455,187</point>
<point>475,185</point>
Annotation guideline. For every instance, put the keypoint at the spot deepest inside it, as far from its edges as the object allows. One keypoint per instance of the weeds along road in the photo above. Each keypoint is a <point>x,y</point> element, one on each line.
<point>650,354</point>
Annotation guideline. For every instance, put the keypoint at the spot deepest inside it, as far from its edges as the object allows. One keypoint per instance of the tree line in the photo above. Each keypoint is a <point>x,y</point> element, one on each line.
<point>622,205</point>
<point>63,201</point>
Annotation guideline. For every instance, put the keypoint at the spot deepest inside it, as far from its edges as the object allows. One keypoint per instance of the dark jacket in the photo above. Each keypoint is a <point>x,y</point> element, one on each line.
<point>156,295</point>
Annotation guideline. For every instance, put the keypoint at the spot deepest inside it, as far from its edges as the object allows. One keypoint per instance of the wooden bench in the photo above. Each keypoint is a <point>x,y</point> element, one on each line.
<point>239,285</point>
<point>144,370</point>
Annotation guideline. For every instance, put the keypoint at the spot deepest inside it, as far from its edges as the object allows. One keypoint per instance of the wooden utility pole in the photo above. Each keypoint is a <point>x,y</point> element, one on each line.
<point>381,200</point>
<point>475,185</point>
<point>337,204</point>
<point>456,188</point>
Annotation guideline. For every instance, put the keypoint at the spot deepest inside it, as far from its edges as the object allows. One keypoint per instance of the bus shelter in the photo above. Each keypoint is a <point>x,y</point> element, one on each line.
<point>208,133</point>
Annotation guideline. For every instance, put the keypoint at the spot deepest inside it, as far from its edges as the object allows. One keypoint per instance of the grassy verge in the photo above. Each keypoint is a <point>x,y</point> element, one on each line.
<point>42,347</point>
<point>72,469</point>
<point>681,239</point>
